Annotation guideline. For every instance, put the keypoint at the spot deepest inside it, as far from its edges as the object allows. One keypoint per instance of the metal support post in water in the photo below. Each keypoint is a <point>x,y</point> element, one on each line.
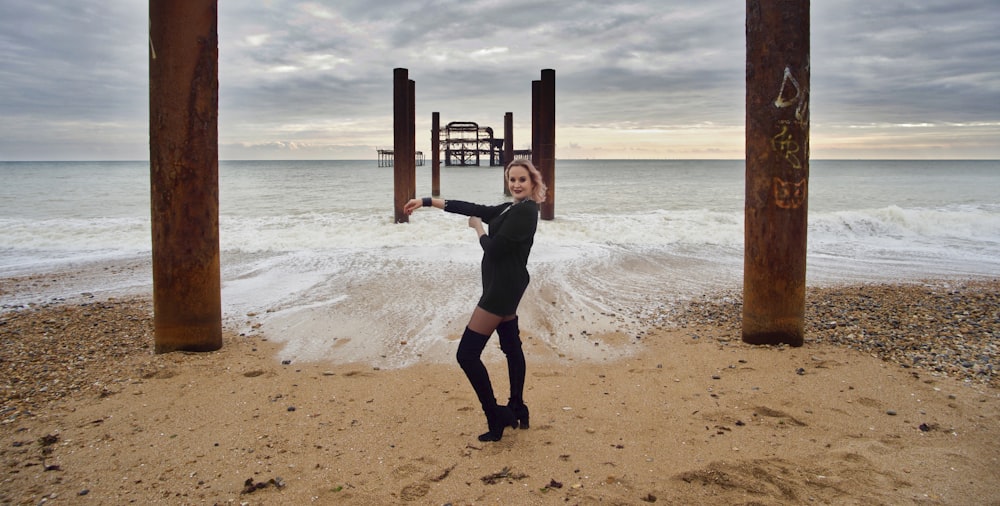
<point>184,174</point>
<point>777,171</point>
<point>536,127</point>
<point>436,154</point>
<point>411,139</point>
<point>400,130</point>
<point>547,141</point>
<point>508,146</point>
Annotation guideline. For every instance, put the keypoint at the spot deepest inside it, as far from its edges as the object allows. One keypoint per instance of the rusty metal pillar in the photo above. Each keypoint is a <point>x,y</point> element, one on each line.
<point>184,174</point>
<point>508,147</point>
<point>435,154</point>
<point>777,171</point>
<point>536,128</point>
<point>400,131</point>
<point>547,141</point>
<point>411,139</point>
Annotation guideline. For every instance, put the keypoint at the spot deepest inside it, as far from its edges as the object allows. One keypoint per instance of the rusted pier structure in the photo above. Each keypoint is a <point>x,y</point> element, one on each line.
<point>386,157</point>
<point>184,175</point>
<point>404,171</point>
<point>436,154</point>
<point>465,143</point>
<point>543,137</point>
<point>777,171</point>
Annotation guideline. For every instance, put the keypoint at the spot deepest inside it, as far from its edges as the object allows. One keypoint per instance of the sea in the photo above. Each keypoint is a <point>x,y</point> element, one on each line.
<point>311,256</point>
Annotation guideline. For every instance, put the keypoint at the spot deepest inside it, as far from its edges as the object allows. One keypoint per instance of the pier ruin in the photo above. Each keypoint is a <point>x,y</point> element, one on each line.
<point>465,143</point>
<point>386,157</point>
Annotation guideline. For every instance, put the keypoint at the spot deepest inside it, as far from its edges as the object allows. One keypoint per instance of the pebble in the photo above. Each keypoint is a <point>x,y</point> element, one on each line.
<point>944,327</point>
<point>99,337</point>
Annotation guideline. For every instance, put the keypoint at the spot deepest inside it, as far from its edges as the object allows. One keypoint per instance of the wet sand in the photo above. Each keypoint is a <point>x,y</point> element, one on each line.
<point>893,400</point>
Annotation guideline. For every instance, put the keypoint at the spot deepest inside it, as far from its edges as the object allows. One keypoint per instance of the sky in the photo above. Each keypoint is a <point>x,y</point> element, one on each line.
<point>651,79</point>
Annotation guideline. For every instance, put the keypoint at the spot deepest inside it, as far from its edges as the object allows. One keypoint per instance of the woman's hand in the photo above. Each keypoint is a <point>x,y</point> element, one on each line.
<point>476,223</point>
<point>412,205</point>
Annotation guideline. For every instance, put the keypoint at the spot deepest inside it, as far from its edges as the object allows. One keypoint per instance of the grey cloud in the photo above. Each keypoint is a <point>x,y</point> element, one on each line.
<point>907,62</point>
<point>287,67</point>
<point>71,59</point>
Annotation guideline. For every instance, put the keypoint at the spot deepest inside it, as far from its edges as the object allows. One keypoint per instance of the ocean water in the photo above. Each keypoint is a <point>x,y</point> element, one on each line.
<point>310,252</point>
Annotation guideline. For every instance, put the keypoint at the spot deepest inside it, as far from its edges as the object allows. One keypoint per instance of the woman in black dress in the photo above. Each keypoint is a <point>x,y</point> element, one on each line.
<point>505,277</point>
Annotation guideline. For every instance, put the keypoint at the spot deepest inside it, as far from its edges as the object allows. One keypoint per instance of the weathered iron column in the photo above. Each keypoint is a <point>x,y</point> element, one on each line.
<point>508,147</point>
<point>411,139</point>
<point>400,131</point>
<point>435,154</point>
<point>536,127</point>
<point>184,174</point>
<point>547,141</point>
<point>777,171</point>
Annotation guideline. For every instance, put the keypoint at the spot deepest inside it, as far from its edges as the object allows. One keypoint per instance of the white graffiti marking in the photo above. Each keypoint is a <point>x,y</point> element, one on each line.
<point>796,98</point>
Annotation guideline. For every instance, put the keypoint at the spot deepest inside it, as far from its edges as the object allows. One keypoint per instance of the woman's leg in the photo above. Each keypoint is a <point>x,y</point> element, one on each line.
<point>483,321</point>
<point>481,327</point>
<point>510,343</point>
<point>470,348</point>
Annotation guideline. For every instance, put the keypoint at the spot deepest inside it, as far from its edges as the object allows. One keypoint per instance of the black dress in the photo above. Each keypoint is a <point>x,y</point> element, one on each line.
<point>505,250</point>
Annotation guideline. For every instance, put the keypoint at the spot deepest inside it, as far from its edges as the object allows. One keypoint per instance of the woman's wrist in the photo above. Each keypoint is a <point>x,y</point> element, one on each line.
<point>427,202</point>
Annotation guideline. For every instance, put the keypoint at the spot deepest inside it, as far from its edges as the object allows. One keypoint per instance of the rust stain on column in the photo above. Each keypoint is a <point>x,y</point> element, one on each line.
<point>777,171</point>
<point>435,154</point>
<point>400,130</point>
<point>547,141</point>
<point>184,174</point>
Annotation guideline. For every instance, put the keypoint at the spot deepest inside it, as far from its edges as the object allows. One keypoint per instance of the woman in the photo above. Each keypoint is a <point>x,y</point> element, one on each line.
<point>505,277</point>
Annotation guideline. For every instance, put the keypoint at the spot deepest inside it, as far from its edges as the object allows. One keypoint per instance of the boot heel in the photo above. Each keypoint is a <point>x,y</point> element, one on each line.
<point>498,418</point>
<point>520,417</point>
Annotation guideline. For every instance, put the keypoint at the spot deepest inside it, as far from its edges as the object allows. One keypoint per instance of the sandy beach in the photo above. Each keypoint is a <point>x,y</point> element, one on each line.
<point>894,399</point>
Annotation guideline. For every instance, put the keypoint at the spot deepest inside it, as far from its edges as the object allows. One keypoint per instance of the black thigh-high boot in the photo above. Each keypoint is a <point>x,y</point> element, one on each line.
<point>469,350</point>
<point>510,343</point>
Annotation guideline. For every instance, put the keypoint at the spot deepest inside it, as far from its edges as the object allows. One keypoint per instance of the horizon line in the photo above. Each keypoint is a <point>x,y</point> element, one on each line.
<point>487,165</point>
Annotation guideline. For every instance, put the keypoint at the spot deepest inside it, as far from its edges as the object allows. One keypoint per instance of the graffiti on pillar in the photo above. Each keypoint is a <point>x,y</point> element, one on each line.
<point>785,145</point>
<point>789,195</point>
<point>791,94</point>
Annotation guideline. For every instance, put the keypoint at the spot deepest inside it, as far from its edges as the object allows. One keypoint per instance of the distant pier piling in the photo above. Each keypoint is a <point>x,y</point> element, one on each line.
<point>436,154</point>
<point>184,175</point>
<point>402,168</point>
<point>546,146</point>
<point>777,171</point>
<point>411,139</point>
<point>536,128</point>
<point>508,147</point>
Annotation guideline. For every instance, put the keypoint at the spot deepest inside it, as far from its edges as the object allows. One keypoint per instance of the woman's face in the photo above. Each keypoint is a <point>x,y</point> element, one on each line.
<point>519,182</point>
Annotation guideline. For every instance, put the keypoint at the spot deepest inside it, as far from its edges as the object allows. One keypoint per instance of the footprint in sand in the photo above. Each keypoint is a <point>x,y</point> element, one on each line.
<point>774,413</point>
<point>414,491</point>
<point>869,402</point>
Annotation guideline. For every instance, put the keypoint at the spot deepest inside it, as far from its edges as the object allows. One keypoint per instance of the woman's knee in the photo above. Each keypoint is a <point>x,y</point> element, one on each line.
<point>483,321</point>
<point>466,355</point>
<point>470,347</point>
<point>510,344</point>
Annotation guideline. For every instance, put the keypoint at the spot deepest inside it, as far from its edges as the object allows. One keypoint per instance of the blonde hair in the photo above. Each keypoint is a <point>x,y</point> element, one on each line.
<point>538,184</point>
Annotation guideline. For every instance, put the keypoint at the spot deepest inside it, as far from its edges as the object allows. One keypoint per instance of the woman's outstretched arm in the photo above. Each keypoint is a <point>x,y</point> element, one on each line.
<point>415,204</point>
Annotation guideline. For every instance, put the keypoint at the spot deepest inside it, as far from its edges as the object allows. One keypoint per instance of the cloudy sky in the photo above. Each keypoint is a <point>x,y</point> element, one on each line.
<point>634,79</point>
